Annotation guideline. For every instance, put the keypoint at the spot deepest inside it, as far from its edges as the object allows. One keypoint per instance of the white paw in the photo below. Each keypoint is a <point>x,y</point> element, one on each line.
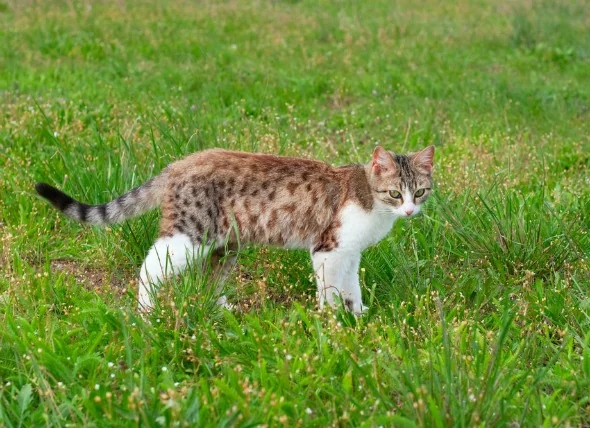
<point>363,310</point>
<point>222,301</point>
<point>144,311</point>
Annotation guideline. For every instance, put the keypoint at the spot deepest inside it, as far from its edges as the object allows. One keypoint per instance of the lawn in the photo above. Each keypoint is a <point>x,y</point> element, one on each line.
<point>479,307</point>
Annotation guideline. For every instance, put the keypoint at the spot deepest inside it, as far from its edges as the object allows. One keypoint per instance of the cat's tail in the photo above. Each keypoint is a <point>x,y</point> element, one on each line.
<point>133,203</point>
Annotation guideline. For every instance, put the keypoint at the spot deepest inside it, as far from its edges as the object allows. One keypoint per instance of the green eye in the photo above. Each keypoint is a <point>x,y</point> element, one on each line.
<point>395,194</point>
<point>419,193</point>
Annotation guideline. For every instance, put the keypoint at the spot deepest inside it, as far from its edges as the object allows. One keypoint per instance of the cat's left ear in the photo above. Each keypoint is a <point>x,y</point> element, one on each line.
<point>424,159</point>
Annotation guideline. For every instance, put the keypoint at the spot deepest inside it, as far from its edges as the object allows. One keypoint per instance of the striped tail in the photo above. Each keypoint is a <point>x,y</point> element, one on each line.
<point>133,203</point>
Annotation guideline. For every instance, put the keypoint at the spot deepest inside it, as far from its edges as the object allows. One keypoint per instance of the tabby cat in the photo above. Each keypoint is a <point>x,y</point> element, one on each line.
<point>217,200</point>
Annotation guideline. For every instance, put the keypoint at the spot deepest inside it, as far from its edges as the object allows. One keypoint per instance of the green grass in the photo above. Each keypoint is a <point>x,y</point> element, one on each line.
<point>480,308</point>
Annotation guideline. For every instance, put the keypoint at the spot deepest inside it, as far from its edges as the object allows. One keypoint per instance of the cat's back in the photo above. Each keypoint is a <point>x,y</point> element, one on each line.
<point>250,164</point>
<point>274,200</point>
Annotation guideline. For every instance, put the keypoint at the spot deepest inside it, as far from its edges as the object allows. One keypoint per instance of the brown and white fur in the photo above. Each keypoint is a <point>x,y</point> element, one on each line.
<point>217,200</point>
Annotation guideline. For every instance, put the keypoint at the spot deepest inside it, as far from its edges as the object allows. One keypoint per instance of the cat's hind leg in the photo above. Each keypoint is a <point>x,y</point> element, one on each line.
<point>169,256</point>
<point>223,264</point>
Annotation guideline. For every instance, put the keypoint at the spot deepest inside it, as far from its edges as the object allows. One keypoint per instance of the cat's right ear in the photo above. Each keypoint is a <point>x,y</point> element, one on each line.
<point>382,161</point>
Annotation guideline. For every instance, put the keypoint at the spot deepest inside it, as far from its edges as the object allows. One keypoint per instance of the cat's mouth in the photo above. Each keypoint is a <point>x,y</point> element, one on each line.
<point>409,212</point>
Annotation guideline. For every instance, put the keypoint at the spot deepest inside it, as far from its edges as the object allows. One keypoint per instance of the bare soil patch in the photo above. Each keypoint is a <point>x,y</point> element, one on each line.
<point>97,279</point>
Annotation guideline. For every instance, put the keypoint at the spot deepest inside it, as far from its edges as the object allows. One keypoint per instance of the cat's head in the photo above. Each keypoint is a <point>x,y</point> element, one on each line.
<point>401,183</point>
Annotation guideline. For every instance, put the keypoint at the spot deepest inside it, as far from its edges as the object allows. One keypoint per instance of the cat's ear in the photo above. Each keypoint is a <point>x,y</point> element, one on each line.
<point>424,159</point>
<point>382,160</point>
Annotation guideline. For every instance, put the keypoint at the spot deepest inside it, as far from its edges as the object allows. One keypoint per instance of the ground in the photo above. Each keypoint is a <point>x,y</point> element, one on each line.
<point>479,307</point>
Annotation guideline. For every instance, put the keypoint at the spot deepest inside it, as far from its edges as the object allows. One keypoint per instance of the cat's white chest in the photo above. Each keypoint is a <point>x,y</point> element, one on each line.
<point>361,229</point>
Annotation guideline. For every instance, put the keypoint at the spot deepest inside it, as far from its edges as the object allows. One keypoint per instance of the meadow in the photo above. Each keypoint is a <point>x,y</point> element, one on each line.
<point>479,307</point>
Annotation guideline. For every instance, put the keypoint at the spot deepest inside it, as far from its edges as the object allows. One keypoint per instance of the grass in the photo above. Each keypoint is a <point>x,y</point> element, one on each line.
<point>480,308</point>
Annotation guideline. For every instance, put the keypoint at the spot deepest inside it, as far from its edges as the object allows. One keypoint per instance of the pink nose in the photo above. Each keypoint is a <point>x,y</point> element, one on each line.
<point>409,211</point>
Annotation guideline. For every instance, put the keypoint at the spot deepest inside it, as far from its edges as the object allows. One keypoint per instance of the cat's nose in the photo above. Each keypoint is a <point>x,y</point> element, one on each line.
<point>409,211</point>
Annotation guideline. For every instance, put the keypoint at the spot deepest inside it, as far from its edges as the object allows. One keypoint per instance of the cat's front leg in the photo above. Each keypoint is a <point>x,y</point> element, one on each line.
<point>336,274</point>
<point>329,273</point>
<point>351,286</point>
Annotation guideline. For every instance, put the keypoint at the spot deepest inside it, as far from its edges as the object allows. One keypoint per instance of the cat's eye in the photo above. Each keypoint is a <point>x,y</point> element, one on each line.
<point>395,194</point>
<point>419,193</point>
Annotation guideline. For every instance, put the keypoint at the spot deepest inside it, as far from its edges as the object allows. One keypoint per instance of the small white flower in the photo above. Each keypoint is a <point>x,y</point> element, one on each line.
<point>164,369</point>
<point>8,383</point>
<point>60,384</point>
<point>112,375</point>
<point>97,387</point>
<point>289,357</point>
<point>56,134</point>
<point>176,383</point>
<point>308,411</point>
<point>110,364</point>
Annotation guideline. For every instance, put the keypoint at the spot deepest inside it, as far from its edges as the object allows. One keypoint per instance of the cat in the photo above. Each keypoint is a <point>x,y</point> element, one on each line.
<point>217,200</point>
